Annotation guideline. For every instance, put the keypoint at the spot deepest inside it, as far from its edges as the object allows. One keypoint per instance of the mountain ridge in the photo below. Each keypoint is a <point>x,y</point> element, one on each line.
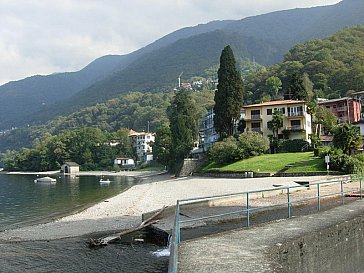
<point>265,38</point>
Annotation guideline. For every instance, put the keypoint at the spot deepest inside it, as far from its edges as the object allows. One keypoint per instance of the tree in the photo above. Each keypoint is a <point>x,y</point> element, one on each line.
<point>274,84</point>
<point>324,119</point>
<point>296,88</point>
<point>229,94</point>
<point>162,146</point>
<point>124,146</point>
<point>347,137</point>
<point>276,123</point>
<point>183,125</point>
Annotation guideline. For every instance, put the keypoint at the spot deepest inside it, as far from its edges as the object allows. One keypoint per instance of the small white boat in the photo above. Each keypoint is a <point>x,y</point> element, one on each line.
<point>45,179</point>
<point>1,169</point>
<point>104,181</point>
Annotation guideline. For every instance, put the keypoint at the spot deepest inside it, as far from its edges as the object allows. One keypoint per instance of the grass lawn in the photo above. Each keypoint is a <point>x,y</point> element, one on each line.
<point>315,165</point>
<point>268,163</point>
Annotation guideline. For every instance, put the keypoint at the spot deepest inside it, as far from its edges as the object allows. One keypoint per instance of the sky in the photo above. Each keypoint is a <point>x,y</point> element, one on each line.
<point>49,36</point>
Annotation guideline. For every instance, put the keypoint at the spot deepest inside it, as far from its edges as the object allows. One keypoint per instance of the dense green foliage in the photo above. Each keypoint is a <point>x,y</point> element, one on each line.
<point>323,119</point>
<point>347,137</point>
<point>335,65</point>
<point>291,145</point>
<point>339,161</point>
<point>88,147</point>
<point>162,146</point>
<point>183,123</point>
<point>134,111</point>
<point>231,149</point>
<point>229,94</point>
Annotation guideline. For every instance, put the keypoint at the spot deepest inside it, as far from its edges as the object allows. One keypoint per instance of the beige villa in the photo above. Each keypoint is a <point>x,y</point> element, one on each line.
<point>296,120</point>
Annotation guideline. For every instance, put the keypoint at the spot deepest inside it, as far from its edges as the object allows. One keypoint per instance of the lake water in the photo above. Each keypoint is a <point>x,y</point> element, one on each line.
<point>23,202</point>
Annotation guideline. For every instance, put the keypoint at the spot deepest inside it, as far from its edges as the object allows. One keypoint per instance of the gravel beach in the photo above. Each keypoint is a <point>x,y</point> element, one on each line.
<point>124,210</point>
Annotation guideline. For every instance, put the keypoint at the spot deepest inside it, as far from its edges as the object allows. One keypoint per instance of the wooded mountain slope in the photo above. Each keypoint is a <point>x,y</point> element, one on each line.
<point>264,38</point>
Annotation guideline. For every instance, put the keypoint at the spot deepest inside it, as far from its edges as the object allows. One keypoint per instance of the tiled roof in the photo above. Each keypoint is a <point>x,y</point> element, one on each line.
<point>334,100</point>
<point>74,164</point>
<point>275,102</point>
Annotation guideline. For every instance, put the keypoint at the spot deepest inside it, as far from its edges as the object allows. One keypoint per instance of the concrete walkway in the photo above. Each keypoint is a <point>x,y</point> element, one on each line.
<point>259,249</point>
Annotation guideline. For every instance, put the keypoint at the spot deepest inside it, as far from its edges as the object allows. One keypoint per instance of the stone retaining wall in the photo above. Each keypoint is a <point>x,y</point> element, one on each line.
<point>253,174</point>
<point>337,249</point>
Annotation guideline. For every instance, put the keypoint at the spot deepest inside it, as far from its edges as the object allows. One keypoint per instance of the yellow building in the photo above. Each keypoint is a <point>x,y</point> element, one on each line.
<point>296,120</point>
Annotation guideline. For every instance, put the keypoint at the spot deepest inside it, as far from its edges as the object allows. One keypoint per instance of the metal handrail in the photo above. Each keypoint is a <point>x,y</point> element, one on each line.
<point>173,260</point>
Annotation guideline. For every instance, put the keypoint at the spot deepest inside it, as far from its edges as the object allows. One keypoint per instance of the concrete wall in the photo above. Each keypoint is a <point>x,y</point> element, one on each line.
<point>336,249</point>
<point>190,165</point>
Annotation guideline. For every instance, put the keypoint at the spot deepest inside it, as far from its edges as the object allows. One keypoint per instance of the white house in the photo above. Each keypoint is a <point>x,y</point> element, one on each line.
<point>124,163</point>
<point>142,143</point>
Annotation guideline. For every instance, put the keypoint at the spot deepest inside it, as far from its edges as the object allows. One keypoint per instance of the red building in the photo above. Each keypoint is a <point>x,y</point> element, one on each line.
<point>346,109</point>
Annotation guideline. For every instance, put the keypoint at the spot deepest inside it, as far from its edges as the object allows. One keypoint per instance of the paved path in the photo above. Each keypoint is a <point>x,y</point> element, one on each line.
<point>250,250</point>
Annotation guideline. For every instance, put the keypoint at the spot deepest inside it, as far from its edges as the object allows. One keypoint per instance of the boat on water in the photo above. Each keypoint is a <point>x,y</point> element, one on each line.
<point>104,181</point>
<point>1,169</point>
<point>45,179</point>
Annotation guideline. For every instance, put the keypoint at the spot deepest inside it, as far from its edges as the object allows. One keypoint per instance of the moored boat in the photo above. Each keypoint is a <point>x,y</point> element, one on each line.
<point>104,181</point>
<point>45,179</point>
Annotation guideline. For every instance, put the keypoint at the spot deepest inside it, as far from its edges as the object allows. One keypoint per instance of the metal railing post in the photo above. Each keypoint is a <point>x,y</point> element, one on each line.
<point>361,188</point>
<point>318,197</point>
<point>177,224</point>
<point>289,203</point>
<point>247,210</point>
<point>342,192</point>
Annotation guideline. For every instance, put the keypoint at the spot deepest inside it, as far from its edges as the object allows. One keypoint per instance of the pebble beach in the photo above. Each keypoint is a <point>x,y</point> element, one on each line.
<point>125,210</point>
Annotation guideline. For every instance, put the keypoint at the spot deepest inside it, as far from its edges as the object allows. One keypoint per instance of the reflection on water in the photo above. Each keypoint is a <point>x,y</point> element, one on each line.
<point>22,201</point>
<point>72,255</point>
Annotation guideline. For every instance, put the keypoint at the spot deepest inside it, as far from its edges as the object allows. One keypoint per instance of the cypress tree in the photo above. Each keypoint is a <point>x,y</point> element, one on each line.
<point>296,88</point>
<point>183,125</point>
<point>229,94</point>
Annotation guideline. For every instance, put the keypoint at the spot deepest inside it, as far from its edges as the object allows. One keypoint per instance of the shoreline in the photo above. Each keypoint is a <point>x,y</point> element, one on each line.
<point>136,174</point>
<point>125,210</point>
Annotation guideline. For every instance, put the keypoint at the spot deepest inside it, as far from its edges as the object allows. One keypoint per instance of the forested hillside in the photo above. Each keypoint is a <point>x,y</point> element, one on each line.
<point>265,38</point>
<point>335,66</point>
<point>135,111</point>
<point>155,68</point>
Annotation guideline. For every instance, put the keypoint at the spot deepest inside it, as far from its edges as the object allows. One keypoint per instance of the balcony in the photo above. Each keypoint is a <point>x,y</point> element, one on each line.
<point>296,128</point>
<point>295,114</point>
<point>257,129</point>
<point>256,117</point>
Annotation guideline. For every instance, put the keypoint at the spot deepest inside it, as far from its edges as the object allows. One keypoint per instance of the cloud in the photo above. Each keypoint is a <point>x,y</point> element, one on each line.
<point>42,36</point>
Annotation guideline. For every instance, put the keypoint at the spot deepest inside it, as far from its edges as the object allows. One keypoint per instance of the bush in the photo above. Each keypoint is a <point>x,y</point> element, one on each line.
<point>252,144</point>
<point>232,149</point>
<point>224,152</point>
<point>291,145</point>
<point>342,162</point>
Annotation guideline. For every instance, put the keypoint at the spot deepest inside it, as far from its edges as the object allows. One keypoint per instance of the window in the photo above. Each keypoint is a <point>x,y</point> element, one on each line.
<point>269,112</point>
<point>282,110</point>
<point>295,122</point>
<point>255,124</point>
<point>255,112</point>
<point>334,106</point>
